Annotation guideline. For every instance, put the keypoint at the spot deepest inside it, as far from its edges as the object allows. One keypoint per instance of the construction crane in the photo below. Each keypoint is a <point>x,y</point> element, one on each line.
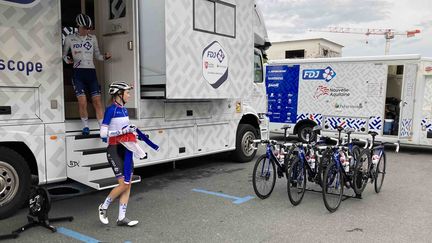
<point>389,34</point>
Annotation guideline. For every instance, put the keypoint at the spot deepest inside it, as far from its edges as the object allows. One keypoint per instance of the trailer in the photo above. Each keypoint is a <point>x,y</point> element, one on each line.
<point>197,69</point>
<point>386,94</point>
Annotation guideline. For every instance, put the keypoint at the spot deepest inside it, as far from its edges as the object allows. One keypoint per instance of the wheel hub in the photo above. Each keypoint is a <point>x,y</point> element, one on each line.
<point>247,143</point>
<point>9,183</point>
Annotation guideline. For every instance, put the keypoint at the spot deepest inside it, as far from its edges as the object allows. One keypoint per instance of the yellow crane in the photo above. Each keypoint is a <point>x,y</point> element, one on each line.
<point>388,34</point>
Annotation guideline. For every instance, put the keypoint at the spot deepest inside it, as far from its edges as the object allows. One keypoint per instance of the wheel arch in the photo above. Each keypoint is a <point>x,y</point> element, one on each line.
<point>302,123</point>
<point>23,150</point>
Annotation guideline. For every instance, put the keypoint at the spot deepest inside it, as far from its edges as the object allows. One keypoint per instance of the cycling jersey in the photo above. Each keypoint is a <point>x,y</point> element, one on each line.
<point>115,119</point>
<point>83,48</point>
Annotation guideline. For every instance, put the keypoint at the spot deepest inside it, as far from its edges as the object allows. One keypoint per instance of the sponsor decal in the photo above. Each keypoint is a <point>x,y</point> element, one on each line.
<point>326,74</point>
<point>87,45</point>
<point>273,85</point>
<point>215,64</point>
<point>73,164</point>
<point>323,90</point>
<point>20,3</point>
<point>20,66</point>
<point>345,106</point>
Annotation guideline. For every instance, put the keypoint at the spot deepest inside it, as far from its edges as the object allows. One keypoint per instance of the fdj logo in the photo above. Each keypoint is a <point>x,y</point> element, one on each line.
<point>326,74</point>
<point>220,55</point>
<point>86,45</point>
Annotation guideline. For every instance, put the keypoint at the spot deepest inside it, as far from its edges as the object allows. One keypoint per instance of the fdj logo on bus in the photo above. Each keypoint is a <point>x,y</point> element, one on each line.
<point>326,74</point>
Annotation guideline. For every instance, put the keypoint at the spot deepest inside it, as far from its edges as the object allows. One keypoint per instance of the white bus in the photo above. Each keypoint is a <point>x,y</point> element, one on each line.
<point>387,94</point>
<point>163,48</point>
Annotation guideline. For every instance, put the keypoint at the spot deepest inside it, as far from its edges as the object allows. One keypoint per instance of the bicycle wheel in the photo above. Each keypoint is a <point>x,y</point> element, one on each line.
<point>296,183</point>
<point>380,173</point>
<point>361,171</point>
<point>332,187</point>
<point>264,177</point>
<point>356,152</point>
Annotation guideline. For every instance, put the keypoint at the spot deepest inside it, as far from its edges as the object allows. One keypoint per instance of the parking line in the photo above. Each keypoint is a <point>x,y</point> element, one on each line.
<point>76,235</point>
<point>236,200</point>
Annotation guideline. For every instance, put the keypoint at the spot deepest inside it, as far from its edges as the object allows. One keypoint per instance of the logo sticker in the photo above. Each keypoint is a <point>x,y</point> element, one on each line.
<point>215,64</point>
<point>326,74</point>
<point>20,3</point>
<point>87,45</point>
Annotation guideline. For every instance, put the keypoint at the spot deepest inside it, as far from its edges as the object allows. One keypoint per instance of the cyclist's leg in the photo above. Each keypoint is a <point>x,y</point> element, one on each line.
<point>124,197</point>
<point>95,93</point>
<point>79,87</point>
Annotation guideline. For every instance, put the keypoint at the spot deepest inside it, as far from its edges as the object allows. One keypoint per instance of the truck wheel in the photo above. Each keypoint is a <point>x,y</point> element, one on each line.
<point>303,131</point>
<point>14,182</point>
<point>244,151</point>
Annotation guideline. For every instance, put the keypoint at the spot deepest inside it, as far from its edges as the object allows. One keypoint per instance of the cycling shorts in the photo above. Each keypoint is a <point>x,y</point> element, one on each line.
<point>85,80</point>
<point>121,161</point>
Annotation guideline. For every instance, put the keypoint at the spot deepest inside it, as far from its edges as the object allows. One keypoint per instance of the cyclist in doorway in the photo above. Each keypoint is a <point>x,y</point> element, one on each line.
<point>120,135</point>
<point>84,47</point>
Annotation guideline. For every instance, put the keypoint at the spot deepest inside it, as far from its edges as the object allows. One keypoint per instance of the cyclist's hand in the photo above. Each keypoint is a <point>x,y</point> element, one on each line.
<point>107,56</point>
<point>128,129</point>
<point>69,60</point>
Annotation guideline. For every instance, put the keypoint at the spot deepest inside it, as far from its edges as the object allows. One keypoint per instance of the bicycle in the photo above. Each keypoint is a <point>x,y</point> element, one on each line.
<point>306,165</point>
<point>339,173</point>
<point>277,156</point>
<point>372,165</point>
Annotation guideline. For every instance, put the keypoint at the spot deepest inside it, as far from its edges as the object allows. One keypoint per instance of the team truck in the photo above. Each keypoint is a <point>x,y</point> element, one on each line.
<point>386,94</point>
<point>197,69</point>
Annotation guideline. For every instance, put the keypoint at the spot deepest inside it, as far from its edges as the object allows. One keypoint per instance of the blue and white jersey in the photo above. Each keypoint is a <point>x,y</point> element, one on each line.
<point>83,49</point>
<point>115,118</point>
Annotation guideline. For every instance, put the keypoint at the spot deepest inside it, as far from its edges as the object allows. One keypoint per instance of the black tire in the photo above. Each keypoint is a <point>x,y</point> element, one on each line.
<point>244,151</point>
<point>361,171</point>
<point>333,178</point>
<point>264,177</point>
<point>356,152</point>
<point>303,130</point>
<point>296,182</point>
<point>14,182</point>
<point>380,173</point>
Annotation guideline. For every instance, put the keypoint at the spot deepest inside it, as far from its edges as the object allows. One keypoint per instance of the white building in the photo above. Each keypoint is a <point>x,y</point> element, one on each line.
<point>307,48</point>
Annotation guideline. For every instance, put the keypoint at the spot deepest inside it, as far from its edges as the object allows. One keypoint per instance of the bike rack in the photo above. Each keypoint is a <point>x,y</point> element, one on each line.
<point>344,197</point>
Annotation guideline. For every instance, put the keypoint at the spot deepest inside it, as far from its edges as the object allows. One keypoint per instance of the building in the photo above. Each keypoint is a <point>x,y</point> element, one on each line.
<point>307,48</point>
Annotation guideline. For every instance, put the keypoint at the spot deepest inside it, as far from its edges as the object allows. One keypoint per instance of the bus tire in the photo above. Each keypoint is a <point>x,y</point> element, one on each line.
<point>303,130</point>
<point>245,134</point>
<point>14,182</point>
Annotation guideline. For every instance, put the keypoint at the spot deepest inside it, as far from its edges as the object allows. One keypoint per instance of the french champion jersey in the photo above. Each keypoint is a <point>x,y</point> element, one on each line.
<point>115,118</point>
<point>83,49</point>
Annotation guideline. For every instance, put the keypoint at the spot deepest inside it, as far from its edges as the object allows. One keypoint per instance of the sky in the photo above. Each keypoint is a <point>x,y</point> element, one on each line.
<point>293,19</point>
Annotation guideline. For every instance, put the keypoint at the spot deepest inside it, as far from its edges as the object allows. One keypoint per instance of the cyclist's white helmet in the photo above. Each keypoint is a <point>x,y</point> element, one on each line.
<point>117,86</point>
<point>83,20</point>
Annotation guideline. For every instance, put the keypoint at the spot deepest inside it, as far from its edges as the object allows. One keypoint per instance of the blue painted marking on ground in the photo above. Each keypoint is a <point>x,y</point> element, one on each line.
<point>76,235</point>
<point>236,200</point>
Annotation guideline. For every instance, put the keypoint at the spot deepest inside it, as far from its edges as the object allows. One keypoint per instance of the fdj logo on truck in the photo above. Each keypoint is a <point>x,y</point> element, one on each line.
<point>326,74</point>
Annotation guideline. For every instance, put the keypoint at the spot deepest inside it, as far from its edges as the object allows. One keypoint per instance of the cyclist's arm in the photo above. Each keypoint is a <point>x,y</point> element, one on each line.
<point>66,47</point>
<point>96,50</point>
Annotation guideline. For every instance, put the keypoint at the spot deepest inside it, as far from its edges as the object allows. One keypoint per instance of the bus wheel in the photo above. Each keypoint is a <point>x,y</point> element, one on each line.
<point>304,131</point>
<point>14,182</point>
<point>244,151</point>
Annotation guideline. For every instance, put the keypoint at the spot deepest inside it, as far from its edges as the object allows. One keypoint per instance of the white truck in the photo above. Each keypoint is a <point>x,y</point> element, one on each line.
<point>197,69</point>
<point>387,94</point>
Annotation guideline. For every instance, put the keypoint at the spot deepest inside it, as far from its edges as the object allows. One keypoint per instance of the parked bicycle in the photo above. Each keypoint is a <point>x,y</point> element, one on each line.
<point>372,165</point>
<point>307,165</point>
<point>276,160</point>
<point>340,172</point>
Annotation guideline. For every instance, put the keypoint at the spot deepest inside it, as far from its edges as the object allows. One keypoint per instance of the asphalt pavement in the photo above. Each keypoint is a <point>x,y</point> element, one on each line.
<point>211,199</point>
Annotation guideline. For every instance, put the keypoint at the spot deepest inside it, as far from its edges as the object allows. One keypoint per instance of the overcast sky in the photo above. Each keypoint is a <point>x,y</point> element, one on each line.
<point>292,19</point>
